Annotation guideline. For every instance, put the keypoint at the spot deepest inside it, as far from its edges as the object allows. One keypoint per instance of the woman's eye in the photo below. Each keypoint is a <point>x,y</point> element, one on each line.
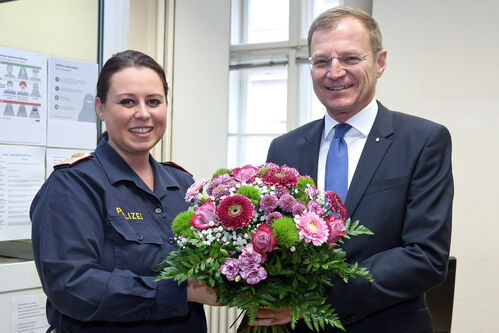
<point>126,102</point>
<point>154,102</point>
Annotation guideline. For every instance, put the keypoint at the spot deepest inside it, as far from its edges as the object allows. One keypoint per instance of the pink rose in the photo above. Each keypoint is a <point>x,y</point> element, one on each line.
<point>263,241</point>
<point>336,227</point>
<point>245,174</point>
<point>204,215</point>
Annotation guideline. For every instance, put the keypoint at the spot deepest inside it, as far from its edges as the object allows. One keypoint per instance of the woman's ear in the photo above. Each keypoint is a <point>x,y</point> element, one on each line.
<point>99,107</point>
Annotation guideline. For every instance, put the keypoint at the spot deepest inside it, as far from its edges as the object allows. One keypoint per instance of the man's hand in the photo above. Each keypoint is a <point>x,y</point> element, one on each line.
<point>267,317</point>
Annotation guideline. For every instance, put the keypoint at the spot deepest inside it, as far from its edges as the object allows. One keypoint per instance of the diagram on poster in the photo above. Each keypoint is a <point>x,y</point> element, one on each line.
<point>23,97</point>
<point>71,113</point>
<point>22,172</point>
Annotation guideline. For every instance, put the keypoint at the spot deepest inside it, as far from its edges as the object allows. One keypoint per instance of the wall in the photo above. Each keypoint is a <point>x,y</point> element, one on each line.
<point>54,27</point>
<point>442,65</point>
<point>200,85</point>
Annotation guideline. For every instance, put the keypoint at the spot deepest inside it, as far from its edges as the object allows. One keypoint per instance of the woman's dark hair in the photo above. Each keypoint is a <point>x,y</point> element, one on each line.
<point>122,60</point>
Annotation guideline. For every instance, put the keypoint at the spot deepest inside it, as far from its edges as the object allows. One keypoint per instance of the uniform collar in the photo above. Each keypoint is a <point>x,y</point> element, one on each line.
<point>117,169</point>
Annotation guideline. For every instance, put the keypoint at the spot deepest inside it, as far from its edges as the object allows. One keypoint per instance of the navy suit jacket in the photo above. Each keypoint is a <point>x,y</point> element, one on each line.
<point>402,190</point>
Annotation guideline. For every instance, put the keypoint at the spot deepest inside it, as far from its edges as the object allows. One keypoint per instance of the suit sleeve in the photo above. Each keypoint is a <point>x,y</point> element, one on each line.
<point>68,240</point>
<point>406,271</point>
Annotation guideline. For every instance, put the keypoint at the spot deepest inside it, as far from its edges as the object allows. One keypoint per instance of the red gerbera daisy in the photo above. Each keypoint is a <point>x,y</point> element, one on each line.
<point>280,176</point>
<point>235,211</point>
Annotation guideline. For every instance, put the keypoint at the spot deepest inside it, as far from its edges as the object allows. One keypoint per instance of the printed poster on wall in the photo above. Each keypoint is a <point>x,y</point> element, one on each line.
<point>72,121</point>
<point>22,173</point>
<point>23,97</point>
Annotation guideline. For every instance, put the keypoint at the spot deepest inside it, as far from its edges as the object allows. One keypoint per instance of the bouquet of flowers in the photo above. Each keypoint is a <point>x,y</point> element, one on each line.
<point>264,237</point>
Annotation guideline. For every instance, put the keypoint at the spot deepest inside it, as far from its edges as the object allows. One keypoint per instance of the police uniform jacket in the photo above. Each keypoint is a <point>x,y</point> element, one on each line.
<point>98,234</point>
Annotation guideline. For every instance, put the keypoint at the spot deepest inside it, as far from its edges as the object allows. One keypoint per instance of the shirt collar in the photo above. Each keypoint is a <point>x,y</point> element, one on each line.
<point>117,169</point>
<point>362,121</point>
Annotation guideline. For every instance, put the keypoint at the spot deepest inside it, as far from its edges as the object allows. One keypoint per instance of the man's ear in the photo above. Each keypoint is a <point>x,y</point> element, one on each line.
<point>381,63</point>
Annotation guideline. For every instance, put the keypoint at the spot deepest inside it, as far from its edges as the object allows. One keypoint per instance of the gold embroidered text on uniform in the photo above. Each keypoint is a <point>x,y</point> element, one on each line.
<point>129,215</point>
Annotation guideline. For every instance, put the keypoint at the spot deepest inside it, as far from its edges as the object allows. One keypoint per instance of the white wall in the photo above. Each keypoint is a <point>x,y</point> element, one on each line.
<point>443,65</point>
<point>200,85</point>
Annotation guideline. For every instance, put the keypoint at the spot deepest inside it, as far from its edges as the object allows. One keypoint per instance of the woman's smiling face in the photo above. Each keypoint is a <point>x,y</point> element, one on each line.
<point>134,111</point>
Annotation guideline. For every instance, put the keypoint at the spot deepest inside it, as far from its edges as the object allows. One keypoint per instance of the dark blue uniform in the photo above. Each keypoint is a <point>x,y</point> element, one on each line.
<point>98,234</point>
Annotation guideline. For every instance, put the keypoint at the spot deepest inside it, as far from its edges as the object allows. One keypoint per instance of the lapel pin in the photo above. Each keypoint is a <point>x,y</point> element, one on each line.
<point>377,139</point>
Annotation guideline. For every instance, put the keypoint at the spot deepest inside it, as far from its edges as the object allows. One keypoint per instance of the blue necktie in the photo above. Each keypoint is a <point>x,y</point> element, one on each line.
<point>337,163</point>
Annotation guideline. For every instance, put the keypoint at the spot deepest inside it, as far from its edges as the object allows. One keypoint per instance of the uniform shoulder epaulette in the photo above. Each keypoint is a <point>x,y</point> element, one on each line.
<point>74,159</point>
<point>175,165</point>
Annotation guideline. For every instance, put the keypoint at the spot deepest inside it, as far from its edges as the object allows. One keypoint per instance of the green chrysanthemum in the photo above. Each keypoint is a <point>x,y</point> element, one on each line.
<point>181,225</point>
<point>221,172</point>
<point>251,193</point>
<point>285,231</point>
<point>301,186</point>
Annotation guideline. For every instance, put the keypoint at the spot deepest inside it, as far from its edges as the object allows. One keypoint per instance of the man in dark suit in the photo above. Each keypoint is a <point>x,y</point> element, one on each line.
<point>399,177</point>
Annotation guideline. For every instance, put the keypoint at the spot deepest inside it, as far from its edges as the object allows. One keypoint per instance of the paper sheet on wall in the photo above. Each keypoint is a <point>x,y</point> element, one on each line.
<point>56,156</point>
<point>71,112</point>
<point>22,172</point>
<point>28,314</point>
<point>23,97</point>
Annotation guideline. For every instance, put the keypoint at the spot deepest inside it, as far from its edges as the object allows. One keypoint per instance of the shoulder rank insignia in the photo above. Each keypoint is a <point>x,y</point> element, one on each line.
<point>175,165</point>
<point>75,158</point>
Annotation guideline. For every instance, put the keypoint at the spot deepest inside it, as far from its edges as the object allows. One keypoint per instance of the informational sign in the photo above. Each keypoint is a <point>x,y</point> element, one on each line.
<point>71,109</point>
<point>56,156</point>
<point>22,173</point>
<point>28,314</point>
<point>23,97</point>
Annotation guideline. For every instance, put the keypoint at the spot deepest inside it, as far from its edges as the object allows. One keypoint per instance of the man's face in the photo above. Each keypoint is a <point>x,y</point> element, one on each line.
<point>345,90</point>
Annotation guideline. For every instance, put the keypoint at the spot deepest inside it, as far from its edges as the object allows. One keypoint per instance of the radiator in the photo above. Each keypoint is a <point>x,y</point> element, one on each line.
<point>220,319</point>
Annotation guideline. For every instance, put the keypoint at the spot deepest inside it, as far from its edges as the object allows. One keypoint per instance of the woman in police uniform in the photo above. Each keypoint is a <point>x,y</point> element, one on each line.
<point>102,222</point>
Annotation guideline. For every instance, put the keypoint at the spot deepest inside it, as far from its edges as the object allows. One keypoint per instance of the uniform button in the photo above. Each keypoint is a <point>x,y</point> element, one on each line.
<point>140,237</point>
<point>173,313</point>
<point>171,240</point>
<point>158,210</point>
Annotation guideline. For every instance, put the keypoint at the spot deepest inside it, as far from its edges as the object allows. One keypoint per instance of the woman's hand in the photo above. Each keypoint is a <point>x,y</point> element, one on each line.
<point>267,317</point>
<point>199,292</point>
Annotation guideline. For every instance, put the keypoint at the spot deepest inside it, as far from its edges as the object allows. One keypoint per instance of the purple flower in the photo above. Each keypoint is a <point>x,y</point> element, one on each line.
<point>286,202</point>
<point>298,208</point>
<point>250,256</point>
<point>315,207</point>
<point>230,268</point>
<point>280,191</point>
<point>223,179</point>
<point>273,216</point>
<point>220,190</point>
<point>268,203</point>
<point>253,273</point>
<point>312,191</point>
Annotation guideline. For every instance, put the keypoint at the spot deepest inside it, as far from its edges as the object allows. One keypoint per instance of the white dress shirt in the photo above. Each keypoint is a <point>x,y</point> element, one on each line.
<point>355,138</point>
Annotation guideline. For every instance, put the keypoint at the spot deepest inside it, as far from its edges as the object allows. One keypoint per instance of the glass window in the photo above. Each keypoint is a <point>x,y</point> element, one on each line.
<point>259,21</point>
<point>257,112</point>
<point>264,70</point>
<point>311,9</point>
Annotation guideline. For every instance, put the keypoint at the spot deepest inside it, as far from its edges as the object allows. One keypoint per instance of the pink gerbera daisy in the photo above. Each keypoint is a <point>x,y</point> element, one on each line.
<point>312,228</point>
<point>280,176</point>
<point>235,211</point>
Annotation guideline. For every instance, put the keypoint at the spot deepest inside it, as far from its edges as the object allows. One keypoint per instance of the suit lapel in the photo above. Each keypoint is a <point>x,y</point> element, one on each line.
<point>308,150</point>
<point>374,150</point>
